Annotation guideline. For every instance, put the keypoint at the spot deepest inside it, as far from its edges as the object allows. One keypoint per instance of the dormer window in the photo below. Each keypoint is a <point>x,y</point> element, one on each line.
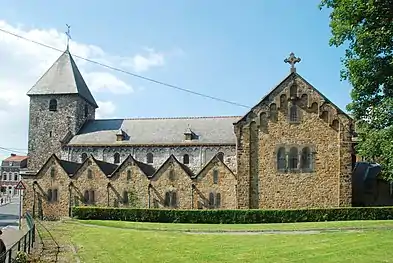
<point>53,105</point>
<point>149,158</point>
<point>120,135</point>
<point>189,135</point>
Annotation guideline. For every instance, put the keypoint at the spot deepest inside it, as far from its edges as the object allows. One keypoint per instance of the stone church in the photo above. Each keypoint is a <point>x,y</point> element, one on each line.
<point>293,149</point>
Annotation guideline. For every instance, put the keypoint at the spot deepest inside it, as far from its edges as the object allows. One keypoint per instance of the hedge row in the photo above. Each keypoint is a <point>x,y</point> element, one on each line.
<point>233,216</point>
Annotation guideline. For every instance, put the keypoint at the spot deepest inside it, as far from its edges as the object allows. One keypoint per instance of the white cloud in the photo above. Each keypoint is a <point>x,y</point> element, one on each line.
<point>22,63</point>
<point>104,81</point>
<point>106,109</point>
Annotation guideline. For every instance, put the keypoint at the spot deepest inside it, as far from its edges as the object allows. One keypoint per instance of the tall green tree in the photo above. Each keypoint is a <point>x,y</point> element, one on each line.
<point>365,27</point>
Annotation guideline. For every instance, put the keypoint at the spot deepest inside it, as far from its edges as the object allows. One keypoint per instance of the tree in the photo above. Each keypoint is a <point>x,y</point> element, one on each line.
<point>366,28</point>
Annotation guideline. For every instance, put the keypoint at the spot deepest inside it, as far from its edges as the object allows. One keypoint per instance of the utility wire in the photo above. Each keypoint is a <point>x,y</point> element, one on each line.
<point>11,150</point>
<point>130,73</point>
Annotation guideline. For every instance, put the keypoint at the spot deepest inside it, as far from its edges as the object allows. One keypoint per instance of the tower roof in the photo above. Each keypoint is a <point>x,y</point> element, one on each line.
<point>63,77</point>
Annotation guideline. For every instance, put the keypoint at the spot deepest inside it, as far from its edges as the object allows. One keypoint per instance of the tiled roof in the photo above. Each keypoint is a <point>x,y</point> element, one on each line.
<point>148,131</point>
<point>146,168</point>
<point>109,169</point>
<point>16,158</point>
<point>63,77</point>
<point>69,167</point>
<point>106,168</point>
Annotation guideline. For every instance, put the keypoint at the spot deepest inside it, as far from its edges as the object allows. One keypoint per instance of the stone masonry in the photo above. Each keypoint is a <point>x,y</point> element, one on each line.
<point>293,149</point>
<point>49,130</point>
<point>320,126</point>
<point>59,186</point>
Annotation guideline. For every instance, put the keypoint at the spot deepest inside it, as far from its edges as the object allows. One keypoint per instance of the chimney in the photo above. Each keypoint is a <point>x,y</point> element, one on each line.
<point>13,154</point>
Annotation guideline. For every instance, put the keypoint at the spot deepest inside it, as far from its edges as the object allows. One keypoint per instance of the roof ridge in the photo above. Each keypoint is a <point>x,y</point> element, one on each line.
<point>174,118</point>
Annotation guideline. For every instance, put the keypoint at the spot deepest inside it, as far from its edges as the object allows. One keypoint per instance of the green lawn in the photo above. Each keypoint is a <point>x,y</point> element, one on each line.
<point>124,242</point>
<point>239,227</point>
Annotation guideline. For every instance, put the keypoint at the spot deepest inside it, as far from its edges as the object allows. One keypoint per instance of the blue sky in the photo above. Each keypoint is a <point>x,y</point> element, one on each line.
<point>231,49</point>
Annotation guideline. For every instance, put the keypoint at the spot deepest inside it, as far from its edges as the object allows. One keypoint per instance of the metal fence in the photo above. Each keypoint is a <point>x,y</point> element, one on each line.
<point>25,244</point>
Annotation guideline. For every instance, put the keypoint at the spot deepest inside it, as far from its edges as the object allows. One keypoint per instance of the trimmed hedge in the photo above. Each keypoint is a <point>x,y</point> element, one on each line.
<point>240,216</point>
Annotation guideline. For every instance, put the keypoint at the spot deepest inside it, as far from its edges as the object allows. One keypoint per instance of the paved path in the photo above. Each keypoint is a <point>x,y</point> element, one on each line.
<point>9,213</point>
<point>9,220</point>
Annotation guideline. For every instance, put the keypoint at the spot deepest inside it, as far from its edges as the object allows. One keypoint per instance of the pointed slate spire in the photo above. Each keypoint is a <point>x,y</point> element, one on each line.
<point>63,77</point>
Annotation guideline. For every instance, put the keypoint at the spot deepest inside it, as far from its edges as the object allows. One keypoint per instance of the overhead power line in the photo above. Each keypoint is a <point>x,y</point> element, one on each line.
<point>130,73</point>
<point>11,150</point>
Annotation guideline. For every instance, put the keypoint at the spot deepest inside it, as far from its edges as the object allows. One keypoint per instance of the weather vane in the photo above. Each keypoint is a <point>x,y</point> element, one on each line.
<point>292,60</point>
<point>68,34</point>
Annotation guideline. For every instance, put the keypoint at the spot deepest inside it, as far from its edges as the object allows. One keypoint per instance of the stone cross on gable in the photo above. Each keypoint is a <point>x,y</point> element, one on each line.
<point>292,60</point>
<point>68,34</point>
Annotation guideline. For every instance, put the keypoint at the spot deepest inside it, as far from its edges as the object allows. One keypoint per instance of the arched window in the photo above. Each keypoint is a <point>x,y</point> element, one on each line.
<point>52,172</point>
<point>263,119</point>
<point>218,200</point>
<point>125,198</point>
<point>83,157</point>
<point>325,116</point>
<point>306,160</point>
<point>174,199</point>
<point>293,158</point>
<point>220,156</point>
<point>116,158</point>
<point>293,114</point>
<point>86,196</point>
<point>273,112</point>
<point>53,105</point>
<point>89,174</point>
<point>171,175</point>
<point>283,101</point>
<point>128,175</point>
<point>293,91</point>
<point>167,199</point>
<point>55,195</point>
<point>211,200</point>
<point>186,159</point>
<point>335,124</point>
<point>92,197</point>
<point>215,177</point>
<point>281,160</point>
<point>314,107</point>
<point>49,195</point>
<point>149,158</point>
<point>86,110</point>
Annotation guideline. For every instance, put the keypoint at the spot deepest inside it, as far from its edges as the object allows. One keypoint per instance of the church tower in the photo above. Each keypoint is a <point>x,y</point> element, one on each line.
<point>60,103</point>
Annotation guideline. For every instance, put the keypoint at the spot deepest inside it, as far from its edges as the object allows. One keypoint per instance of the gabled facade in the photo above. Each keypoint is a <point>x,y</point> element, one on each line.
<point>293,149</point>
<point>59,185</point>
<point>215,186</point>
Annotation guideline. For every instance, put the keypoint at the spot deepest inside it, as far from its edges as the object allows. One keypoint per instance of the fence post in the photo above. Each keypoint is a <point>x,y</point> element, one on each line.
<point>33,232</point>
<point>24,244</point>
<point>28,243</point>
<point>10,256</point>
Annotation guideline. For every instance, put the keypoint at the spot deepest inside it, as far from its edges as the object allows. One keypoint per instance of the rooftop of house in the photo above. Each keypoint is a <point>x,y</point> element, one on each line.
<point>158,131</point>
<point>15,158</point>
<point>110,169</point>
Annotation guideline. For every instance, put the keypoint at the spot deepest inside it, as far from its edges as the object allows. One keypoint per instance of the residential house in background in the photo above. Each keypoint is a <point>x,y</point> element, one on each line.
<point>10,173</point>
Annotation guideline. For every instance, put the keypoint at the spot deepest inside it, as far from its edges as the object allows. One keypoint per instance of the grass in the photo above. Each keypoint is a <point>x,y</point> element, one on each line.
<point>239,227</point>
<point>124,242</point>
